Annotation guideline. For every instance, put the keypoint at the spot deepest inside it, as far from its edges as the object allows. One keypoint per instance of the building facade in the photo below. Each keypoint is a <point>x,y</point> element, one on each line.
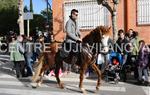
<point>132,14</point>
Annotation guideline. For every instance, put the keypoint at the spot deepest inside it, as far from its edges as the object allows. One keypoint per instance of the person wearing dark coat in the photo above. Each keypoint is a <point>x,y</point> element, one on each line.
<point>143,62</point>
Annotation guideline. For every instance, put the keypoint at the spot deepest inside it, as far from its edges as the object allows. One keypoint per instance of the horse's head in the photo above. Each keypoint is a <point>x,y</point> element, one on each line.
<point>99,35</point>
<point>105,37</point>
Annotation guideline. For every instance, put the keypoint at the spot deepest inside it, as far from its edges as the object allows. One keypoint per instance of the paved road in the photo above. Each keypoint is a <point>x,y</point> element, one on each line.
<point>10,85</point>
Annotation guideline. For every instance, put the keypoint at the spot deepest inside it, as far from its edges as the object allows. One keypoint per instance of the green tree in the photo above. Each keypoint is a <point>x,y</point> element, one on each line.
<point>48,15</point>
<point>6,4</point>
<point>9,16</point>
<point>38,21</point>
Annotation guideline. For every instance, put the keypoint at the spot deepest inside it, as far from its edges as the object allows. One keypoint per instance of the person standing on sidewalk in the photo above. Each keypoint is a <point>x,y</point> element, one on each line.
<point>13,41</point>
<point>29,48</point>
<point>143,63</point>
<point>18,57</point>
<point>134,52</point>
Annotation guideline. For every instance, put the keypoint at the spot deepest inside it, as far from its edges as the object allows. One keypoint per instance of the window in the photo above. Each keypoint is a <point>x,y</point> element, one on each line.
<point>143,12</point>
<point>91,14</point>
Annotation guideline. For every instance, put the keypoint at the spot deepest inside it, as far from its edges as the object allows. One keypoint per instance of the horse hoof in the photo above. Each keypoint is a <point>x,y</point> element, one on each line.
<point>97,88</point>
<point>33,86</point>
<point>83,91</point>
<point>38,84</point>
<point>61,86</point>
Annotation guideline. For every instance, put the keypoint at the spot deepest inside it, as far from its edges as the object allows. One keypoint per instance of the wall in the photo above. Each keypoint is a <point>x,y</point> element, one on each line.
<point>58,19</point>
<point>126,19</point>
<point>144,31</point>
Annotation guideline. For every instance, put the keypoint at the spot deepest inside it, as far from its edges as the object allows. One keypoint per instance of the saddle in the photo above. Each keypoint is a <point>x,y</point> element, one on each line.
<point>63,53</point>
<point>86,50</point>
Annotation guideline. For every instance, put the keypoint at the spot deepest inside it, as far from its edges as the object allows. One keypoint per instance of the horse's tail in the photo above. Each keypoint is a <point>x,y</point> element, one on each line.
<point>38,69</point>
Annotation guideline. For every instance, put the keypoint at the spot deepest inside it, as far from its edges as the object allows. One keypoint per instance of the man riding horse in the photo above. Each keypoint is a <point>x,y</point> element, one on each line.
<point>73,35</point>
<point>84,58</point>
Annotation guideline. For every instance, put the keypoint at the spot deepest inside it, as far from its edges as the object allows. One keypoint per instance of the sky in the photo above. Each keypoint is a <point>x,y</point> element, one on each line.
<point>38,5</point>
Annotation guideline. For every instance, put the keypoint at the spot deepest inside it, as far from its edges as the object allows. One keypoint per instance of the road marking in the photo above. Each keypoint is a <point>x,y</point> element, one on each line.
<point>65,79</point>
<point>146,90</point>
<point>70,86</point>
<point>52,78</point>
<point>18,87</point>
<point>19,83</point>
<point>102,88</point>
<point>6,59</point>
<point>33,92</point>
<point>69,79</point>
<point>4,55</point>
<point>7,76</point>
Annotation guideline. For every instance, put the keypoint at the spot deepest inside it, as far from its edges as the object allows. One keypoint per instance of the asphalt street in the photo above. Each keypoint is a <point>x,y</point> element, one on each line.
<point>10,85</point>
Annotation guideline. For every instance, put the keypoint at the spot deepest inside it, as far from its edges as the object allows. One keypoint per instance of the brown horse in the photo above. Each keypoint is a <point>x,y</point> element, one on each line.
<point>88,58</point>
<point>46,61</point>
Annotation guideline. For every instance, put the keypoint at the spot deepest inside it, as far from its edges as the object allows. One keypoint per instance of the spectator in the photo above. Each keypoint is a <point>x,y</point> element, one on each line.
<point>143,62</point>
<point>114,68</point>
<point>122,44</point>
<point>123,49</point>
<point>13,41</point>
<point>28,55</point>
<point>127,35</point>
<point>135,43</point>
<point>17,56</point>
<point>130,33</point>
<point>134,52</point>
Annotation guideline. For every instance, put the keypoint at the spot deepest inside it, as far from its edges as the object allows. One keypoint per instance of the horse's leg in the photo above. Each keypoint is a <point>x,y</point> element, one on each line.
<point>37,78</point>
<point>98,72</point>
<point>59,64</point>
<point>61,85</point>
<point>82,72</point>
<point>39,82</point>
<point>38,72</point>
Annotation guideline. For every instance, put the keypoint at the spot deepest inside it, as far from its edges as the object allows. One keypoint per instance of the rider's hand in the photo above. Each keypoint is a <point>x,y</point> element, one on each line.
<point>79,40</point>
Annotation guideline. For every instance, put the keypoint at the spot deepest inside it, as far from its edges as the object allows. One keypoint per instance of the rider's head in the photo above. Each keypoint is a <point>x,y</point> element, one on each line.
<point>74,14</point>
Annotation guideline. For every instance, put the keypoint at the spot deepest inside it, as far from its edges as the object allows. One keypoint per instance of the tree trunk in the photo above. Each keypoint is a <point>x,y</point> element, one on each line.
<point>20,19</point>
<point>114,23</point>
<point>113,12</point>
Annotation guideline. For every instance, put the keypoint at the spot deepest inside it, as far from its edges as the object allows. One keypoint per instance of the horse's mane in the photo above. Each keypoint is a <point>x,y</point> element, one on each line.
<point>96,34</point>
